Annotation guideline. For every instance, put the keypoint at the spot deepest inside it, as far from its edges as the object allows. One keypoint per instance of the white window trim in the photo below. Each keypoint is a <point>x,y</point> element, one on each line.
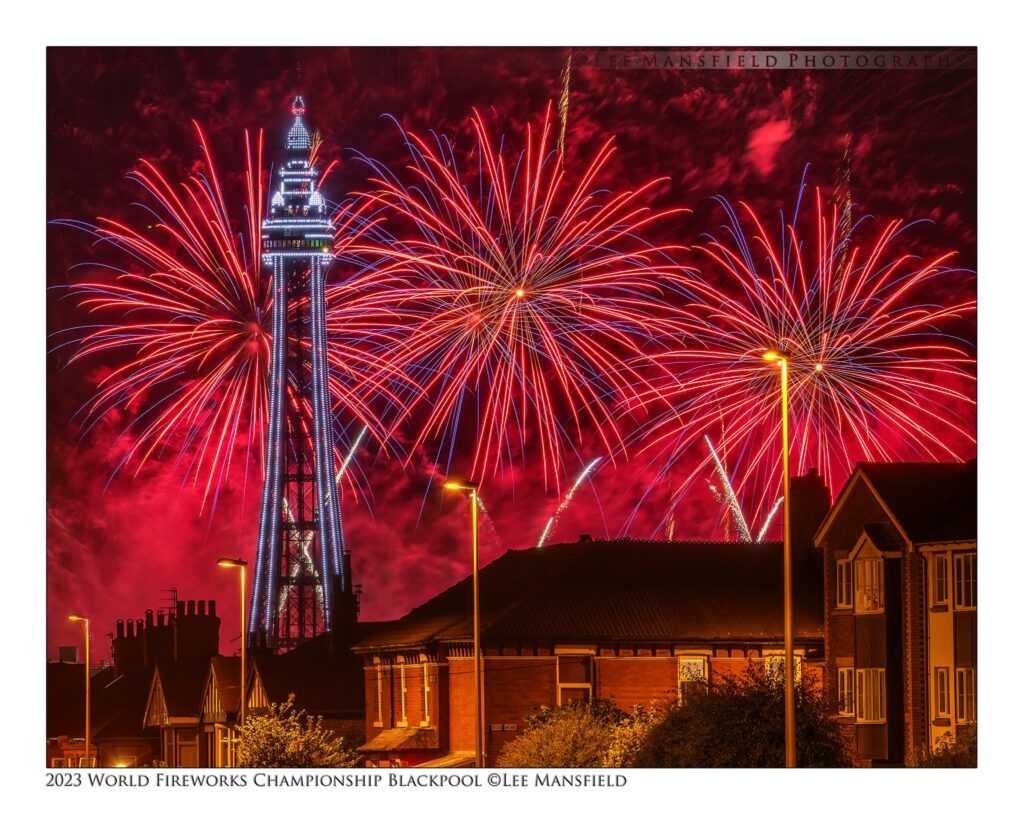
<point>942,711</point>
<point>844,565</point>
<point>876,567</point>
<point>572,651</point>
<point>971,716</point>
<point>861,680</point>
<point>846,691</point>
<point>380,692</point>
<point>426,692</point>
<point>963,558</point>
<point>780,655</point>
<point>944,583</point>
<point>404,721</point>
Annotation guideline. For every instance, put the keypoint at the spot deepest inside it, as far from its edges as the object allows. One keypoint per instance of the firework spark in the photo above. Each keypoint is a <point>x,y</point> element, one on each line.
<point>872,374</point>
<point>184,322</point>
<point>514,295</point>
<point>549,527</point>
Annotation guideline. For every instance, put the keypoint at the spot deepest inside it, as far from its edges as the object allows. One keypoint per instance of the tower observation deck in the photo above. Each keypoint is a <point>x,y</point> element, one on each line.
<point>301,581</point>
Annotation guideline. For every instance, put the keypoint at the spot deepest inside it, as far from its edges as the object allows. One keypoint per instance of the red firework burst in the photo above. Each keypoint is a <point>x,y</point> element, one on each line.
<point>873,376</point>
<point>513,295</point>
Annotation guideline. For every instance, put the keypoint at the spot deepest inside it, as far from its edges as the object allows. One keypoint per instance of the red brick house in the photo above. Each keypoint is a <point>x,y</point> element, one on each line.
<point>634,622</point>
<point>900,560</point>
<point>218,736</point>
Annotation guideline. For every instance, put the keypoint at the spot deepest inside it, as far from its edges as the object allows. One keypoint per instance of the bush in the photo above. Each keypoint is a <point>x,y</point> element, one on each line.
<point>740,722</point>
<point>284,737</point>
<point>950,751</point>
<point>594,733</point>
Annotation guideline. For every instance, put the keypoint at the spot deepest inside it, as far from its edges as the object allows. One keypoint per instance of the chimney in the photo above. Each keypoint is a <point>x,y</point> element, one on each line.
<point>181,608</point>
<point>149,618</point>
<point>585,539</point>
<point>811,502</point>
<point>120,629</point>
<point>211,608</point>
<point>201,608</point>
<point>161,621</point>
<point>191,608</point>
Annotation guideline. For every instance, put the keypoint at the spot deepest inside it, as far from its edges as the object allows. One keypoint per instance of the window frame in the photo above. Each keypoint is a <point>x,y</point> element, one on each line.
<point>779,656</point>
<point>379,670</point>
<point>867,681</point>
<point>873,567</point>
<point>844,583</point>
<point>941,695</point>
<point>961,580</point>
<point>587,654</point>
<point>425,722</point>
<point>940,580</point>
<point>702,679</point>
<point>402,690</point>
<point>963,697</point>
<point>846,691</point>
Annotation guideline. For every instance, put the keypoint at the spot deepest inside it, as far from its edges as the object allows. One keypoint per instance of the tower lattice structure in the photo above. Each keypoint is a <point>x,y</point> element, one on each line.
<point>301,582</point>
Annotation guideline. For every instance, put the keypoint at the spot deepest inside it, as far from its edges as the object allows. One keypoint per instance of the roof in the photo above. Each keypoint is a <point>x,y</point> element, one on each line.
<point>620,591</point>
<point>120,707</point>
<point>65,696</point>
<point>402,738</point>
<point>325,680</point>
<point>182,683</point>
<point>933,502</point>
<point>227,675</point>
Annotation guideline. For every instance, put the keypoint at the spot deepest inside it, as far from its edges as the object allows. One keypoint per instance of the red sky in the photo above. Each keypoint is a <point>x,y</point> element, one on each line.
<point>747,135</point>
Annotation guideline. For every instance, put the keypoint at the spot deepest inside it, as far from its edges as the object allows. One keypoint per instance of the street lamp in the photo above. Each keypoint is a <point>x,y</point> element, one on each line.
<point>78,618</point>
<point>471,487</point>
<point>782,361</point>
<point>238,563</point>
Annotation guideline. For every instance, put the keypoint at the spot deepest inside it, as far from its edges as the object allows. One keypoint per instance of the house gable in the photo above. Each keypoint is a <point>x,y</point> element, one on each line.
<point>858,505</point>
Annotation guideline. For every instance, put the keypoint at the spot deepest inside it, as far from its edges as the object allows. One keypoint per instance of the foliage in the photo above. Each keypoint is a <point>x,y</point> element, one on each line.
<point>594,733</point>
<point>740,722</point>
<point>950,751</point>
<point>284,737</point>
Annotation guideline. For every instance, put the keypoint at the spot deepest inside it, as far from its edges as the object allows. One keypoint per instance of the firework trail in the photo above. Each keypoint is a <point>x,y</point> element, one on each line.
<point>549,527</point>
<point>768,521</point>
<point>514,296</point>
<point>563,107</point>
<point>729,495</point>
<point>873,376</point>
<point>182,317</point>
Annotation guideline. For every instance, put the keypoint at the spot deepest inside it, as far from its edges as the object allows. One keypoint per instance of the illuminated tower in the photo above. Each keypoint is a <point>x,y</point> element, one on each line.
<point>301,583</point>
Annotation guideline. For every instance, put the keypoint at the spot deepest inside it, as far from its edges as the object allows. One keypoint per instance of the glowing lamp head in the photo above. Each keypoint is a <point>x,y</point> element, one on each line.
<point>77,618</point>
<point>771,356</point>
<point>459,484</point>
<point>231,562</point>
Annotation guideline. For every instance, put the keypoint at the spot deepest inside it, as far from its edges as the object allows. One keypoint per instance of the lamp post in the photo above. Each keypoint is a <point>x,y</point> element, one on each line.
<point>782,361</point>
<point>78,618</point>
<point>471,487</point>
<point>238,563</point>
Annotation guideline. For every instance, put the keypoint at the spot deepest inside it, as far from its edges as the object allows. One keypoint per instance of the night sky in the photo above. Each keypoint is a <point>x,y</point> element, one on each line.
<point>743,134</point>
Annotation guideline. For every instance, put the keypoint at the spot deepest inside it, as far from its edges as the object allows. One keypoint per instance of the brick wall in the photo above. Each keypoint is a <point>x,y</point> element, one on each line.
<point>631,681</point>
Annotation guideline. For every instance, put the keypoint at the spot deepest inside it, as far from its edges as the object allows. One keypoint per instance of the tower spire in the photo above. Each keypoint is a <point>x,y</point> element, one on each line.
<point>302,566</point>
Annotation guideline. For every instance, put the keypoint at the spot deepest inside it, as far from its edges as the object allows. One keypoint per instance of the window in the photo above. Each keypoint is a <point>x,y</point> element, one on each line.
<point>940,589</point>
<point>844,584</point>
<point>575,677</point>
<point>378,719</point>
<point>844,684</point>
<point>775,666</point>
<point>56,762</point>
<point>966,580</point>
<point>942,693</point>
<point>868,584</point>
<point>404,721</point>
<point>871,695</point>
<point>692,677</point>
<point>426,692</point>
<point>966,695</point>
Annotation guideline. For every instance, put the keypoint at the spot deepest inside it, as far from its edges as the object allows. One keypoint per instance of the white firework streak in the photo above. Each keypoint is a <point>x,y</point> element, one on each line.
<point>549,528</point>
<point>768,520</point>
<point>490,521</point>
<point>730,496</point>
<point>304,562</point>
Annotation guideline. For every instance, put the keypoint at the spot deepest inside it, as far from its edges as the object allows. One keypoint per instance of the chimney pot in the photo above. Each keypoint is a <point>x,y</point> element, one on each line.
<point>201,608</point>
<point>191,608</point>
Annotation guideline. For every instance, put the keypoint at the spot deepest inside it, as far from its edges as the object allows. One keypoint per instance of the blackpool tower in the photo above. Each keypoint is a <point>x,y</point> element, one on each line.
<point>301,586</point>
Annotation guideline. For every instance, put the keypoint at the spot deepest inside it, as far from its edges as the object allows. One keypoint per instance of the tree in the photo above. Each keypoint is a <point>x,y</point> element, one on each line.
<point>950,751</point>
<point>284,737</point>
<point>594,733</point>
<point>740,722</point>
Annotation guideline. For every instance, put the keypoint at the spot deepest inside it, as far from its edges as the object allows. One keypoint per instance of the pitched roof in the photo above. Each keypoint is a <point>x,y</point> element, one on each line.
<point>226,672</point>
<point>65,696</point>
<point>120,708</point>
<point>933,502</point>
<point>182,682</point>
<point>326,680</point>
<point>620,591</point>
